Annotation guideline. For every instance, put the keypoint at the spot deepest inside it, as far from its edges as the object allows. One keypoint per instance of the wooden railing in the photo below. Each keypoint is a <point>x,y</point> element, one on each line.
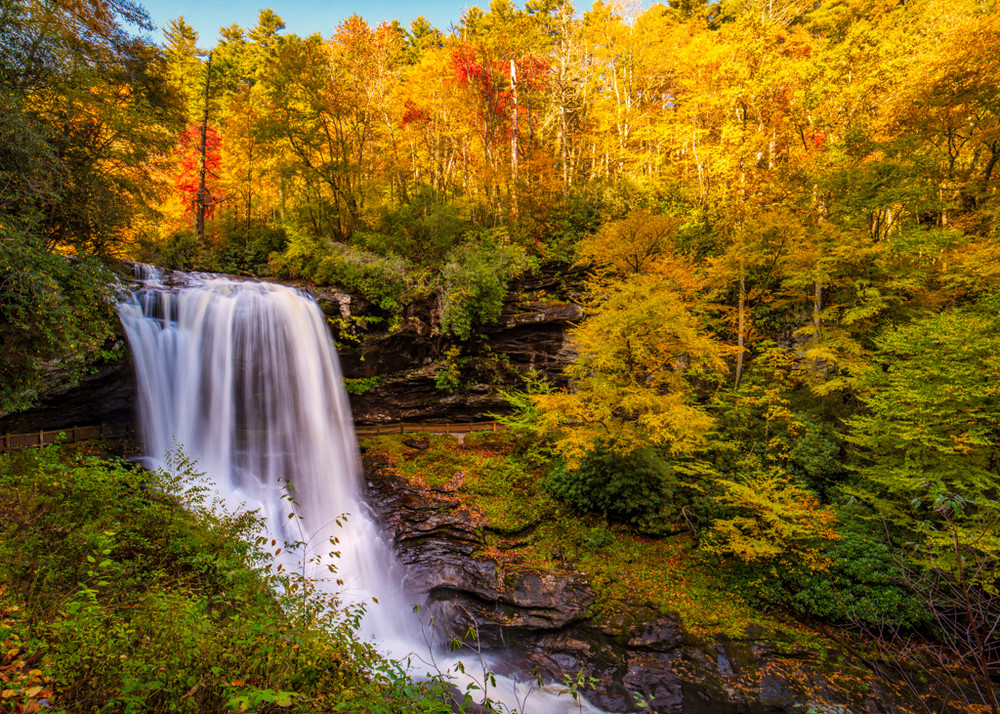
<point>414,427</point>
<point>11,442</point>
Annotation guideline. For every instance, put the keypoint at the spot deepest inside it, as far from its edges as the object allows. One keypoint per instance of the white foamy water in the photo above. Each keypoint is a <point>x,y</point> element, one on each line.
<point>244,378</point>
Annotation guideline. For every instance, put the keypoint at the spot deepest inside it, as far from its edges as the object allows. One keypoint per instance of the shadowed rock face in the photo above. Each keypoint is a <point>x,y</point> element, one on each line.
<point>528,336</point>
<point>541,623</point>
<point>106,396</point>
<point>532,333</point>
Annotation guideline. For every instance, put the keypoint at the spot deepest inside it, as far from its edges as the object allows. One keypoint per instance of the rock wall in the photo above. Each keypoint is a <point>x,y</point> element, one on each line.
<point>105,396</point>
<point>531,334</point>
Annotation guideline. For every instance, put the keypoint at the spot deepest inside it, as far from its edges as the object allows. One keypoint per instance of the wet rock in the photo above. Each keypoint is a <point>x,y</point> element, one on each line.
<point>548,600</point>
<point>651,679</point>
<point>775,692</point>
<point>662,635</point>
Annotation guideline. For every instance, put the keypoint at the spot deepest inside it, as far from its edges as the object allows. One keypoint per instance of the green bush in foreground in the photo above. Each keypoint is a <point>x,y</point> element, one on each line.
<point>143,600</point>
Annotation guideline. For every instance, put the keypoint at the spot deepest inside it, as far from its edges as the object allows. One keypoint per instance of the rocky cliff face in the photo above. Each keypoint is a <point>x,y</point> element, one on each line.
<point>542,622</point>
<point>531,334</point>
<point>105,396</point>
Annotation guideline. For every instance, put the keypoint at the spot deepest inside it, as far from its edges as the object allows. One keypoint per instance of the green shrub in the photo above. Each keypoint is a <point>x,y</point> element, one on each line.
<point>55,312</point>
<point>178,251</point>
<point>249,249</point>
<point>815,455</point>
<point>362,385</point>
<point>636,488</point>
<point>448,376</point>
<point>860,585</point>
<point>145,600</point>
<point>425,227</point>
<point>388,281</point>
<point>475,278</point>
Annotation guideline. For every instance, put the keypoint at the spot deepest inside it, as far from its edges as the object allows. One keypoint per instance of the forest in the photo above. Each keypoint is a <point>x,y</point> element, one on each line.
<point>782,214</point>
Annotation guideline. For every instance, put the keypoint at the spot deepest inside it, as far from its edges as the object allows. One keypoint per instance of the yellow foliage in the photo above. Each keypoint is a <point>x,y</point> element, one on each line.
<point>630,381</point>
<point>777,520</point>
<point>633,245</point>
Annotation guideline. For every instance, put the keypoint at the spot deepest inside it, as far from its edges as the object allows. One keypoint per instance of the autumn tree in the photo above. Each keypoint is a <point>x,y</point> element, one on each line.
<point>421,37</point>
<point>85,111</point>
<point>183,66</point>
<point>641,345</point>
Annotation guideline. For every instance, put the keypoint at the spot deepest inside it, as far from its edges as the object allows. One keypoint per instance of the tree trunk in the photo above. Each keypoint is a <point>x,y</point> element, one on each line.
<point>741,329</point>
<point>817,308</point>
<point>513,139</point>
<point>202,198</point>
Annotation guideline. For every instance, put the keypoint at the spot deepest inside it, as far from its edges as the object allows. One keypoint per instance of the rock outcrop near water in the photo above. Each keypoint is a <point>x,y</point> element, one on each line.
<point>531,334</point>
<point>544,622</point>
<point>104,396</point>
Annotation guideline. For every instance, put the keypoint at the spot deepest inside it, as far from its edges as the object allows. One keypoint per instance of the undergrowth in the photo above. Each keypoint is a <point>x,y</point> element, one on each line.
<point>126,592</point>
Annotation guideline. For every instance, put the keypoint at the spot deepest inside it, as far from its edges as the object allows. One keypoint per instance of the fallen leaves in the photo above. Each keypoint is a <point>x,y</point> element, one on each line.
<point>23,688</point>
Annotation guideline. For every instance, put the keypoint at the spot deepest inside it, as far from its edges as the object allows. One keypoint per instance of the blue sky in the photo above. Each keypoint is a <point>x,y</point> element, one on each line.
<point>302,17</point>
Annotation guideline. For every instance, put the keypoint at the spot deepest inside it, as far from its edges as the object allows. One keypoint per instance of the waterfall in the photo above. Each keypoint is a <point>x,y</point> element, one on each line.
<point>243,377</point>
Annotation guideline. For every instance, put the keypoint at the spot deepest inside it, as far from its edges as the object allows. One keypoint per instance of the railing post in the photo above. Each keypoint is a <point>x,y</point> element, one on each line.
<point>41,438</point>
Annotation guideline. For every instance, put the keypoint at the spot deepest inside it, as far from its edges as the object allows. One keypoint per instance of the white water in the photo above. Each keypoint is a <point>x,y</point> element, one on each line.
<point>243,377</point>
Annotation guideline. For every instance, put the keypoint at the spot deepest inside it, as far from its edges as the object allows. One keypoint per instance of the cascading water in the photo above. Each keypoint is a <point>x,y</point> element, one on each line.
<point>242,376</point>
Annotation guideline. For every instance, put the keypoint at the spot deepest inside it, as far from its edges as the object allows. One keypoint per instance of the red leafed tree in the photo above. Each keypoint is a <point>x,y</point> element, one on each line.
<point>412,114</point>
<point>189,166</point>
<point>487,82</point>
<point>487,87</point>
<point>495,91</point>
